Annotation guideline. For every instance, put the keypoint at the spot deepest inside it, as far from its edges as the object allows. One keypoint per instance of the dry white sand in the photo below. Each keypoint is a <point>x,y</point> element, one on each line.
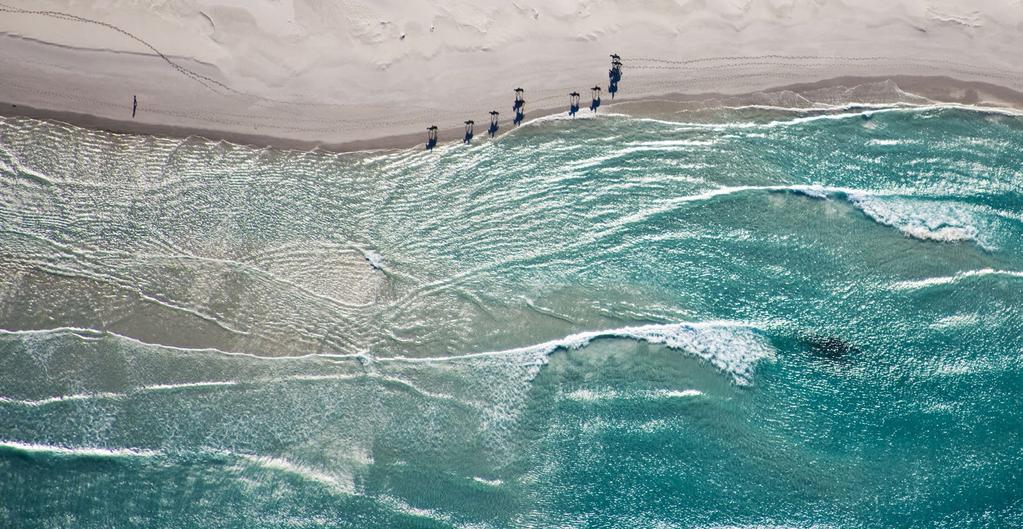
<point>340,71</point>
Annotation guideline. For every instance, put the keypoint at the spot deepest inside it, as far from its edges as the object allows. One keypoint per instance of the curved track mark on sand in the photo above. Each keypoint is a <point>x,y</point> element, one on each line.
<point>201,79</point>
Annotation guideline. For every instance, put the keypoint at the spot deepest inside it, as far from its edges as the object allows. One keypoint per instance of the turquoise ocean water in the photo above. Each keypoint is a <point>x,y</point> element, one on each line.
<point>761,319</point>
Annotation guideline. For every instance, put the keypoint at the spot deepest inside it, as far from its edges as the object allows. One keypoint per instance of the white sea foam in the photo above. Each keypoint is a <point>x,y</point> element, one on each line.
<point>733,347</point>
<point>77,451</point>
<point>914,217</point>
<point>777,123</point>
<point>403,507</point>
<point>78,331</point>
<point>106,395</point>
<point>768,526</point>
<point>677,394</point>
<point>341,483</point>
<point>653,425</point>
<point>656,144</point>
<point>584,113</point>
<point>649,146</point>
<point>590,395</point>
<point>141,390</point>
<point>956,321</point>
<point>92,334</point>
<point>921,220</point>
<point>488,482</point>
<point>190,385</point>
<point>812,191</point>
<point>838,113</point>
<point>61,398</point>
<point>959,276</point>
<point>891,142</point>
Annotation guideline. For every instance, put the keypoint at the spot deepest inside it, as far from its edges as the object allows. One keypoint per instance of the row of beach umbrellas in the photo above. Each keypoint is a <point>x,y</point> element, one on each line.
<point>519,106</point>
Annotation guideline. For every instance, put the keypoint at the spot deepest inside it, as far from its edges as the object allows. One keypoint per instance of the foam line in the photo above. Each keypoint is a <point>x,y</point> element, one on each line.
<point>405,508</point>
<point>488,482</point>
<point>78,331</point>
<point>812,190</point>
<point>61,398</point>
<point>19,167</point>
<point>959,276</point>
<point>905,108</point>
<point>93,334</point>
<point>105,395</point>
<point>193,312</point>
<point>942,225</point>
<point>711,340</point>
<point>190,385</point>
<point>35,448</point>
<point>730,346</point>
<point>77,397</point>
<point>587,395</point>
<point>307,473</point>
<point>927,221</point>
<point>572,341</point>
<point>256,270</point>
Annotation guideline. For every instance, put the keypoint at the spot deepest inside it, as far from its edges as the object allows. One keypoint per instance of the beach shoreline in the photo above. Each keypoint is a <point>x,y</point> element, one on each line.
<point>881,91</point>
<point>352,76</point>
<point>346,76</point>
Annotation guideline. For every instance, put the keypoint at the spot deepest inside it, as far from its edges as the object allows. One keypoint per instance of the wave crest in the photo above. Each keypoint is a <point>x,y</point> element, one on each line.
<point>933,221</point>
<point>731,346</point>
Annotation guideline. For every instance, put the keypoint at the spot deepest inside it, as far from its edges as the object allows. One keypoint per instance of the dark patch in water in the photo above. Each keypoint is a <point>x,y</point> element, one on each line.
<point>827,347</point>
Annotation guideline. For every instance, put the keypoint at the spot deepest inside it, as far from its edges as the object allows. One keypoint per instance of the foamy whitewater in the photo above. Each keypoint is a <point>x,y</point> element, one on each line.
<point>771,319</point>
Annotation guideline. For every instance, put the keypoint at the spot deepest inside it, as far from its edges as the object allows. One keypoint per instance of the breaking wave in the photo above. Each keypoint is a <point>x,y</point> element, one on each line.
<point>924,220</point>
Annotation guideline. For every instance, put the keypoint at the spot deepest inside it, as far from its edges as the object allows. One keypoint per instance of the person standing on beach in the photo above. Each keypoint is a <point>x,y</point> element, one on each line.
<point>134,105</point>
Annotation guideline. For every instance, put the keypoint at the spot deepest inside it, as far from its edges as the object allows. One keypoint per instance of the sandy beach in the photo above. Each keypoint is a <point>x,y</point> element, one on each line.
<point>353,75</point>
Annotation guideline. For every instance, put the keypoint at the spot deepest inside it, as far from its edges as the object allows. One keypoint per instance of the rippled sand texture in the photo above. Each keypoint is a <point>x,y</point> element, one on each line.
<point>783,318</point>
